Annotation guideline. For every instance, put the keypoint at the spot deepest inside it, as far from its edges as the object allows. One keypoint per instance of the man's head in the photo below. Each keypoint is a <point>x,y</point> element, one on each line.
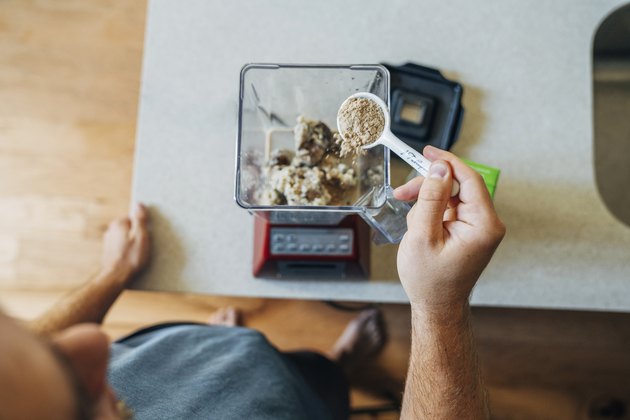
<point>59,378</point>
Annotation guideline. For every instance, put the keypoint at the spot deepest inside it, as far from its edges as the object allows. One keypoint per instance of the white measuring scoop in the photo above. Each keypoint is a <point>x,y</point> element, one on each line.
<point>393,143</point>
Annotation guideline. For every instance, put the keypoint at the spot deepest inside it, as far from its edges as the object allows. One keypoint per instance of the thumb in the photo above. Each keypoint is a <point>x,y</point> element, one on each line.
<point>433,200</point>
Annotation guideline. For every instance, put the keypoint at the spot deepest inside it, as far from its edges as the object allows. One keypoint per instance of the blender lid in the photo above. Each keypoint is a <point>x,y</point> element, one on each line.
<point>425,106</point>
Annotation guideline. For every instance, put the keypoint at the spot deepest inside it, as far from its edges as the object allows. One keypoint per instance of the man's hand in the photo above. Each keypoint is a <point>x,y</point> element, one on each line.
<point>448,243</point>
<point>126,244</point>
<point>449,240</point>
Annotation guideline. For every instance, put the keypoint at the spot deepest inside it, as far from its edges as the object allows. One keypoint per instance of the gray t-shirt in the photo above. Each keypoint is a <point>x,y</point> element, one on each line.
<point>209,372</point>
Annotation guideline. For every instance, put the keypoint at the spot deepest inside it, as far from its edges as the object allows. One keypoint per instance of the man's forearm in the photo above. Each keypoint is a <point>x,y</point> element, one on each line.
<point>88,303</point>
<point>443,381</point>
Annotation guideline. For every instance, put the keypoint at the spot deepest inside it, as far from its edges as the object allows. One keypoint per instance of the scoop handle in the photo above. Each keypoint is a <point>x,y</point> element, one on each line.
<point>411,156</point>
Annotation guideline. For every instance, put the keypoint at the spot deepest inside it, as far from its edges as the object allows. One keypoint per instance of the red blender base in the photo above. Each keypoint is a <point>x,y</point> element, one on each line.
<point>312,252</point>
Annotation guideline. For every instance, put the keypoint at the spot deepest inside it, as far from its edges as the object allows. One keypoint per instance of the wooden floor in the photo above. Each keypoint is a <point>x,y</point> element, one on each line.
<point>69,85</point>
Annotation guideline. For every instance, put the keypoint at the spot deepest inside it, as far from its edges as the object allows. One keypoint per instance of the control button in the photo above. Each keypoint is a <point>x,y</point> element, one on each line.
<point>344,238</point>
<point>278,237</point>
<point>331,248</point>
<point>318,248</point>
<point>278,248</point>
<point>305,247</point>
<point>291,238</point>
<point>344,248</point>
<point>291,247</point>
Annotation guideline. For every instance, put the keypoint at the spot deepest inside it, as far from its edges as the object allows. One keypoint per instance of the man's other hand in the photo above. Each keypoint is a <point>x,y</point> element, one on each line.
<point>449,240</point>
<point>126,244</point>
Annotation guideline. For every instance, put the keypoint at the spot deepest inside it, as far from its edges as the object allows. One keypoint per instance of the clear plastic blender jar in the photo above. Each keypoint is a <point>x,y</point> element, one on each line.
<point>271,98</point>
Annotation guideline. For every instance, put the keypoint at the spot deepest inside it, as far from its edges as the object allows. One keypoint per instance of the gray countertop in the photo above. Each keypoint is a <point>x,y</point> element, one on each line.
<point>526,71</point>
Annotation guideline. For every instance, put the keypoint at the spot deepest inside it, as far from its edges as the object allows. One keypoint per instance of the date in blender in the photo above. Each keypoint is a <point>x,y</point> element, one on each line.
<point>310,171</point>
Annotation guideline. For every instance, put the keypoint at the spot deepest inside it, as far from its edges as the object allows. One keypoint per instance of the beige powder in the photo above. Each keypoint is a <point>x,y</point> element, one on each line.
<point>361,122</point>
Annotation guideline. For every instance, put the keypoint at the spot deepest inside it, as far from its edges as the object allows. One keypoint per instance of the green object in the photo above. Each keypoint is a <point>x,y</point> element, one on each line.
<point>489,174</point>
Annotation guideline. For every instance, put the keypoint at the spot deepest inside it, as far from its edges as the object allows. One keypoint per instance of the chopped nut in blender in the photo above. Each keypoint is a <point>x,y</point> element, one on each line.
<point>313,174</point>
<point>295,185</point>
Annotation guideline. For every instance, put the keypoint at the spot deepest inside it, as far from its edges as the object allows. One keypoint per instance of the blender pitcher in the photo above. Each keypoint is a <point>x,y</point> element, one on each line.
<point>271,97</point>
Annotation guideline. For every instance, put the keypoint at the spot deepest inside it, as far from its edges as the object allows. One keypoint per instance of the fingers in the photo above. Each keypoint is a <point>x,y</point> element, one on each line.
<point>140,234</point>
<point>135,224</point>
<point>433,200</point>
<point>139,214</point>
<point>139,219</point>
<point>410,190</point>
<point>472,187</point>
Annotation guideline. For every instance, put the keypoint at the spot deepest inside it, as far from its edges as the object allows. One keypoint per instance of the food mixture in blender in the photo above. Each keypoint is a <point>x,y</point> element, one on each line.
<point>313,173</point>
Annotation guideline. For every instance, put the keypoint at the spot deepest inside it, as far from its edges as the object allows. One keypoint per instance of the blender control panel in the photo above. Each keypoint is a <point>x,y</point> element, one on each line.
<point>311,241</point>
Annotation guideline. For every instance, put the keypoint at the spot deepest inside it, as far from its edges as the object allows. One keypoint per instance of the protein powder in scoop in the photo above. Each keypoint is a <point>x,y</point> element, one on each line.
<point>361,122</point>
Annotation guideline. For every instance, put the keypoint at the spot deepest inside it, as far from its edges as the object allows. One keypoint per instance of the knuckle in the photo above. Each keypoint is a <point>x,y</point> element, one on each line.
<point>476,176</point>
<point>493,235</point>
<point>500,230</point>
<point>501,227</point>
<point>431,193</point>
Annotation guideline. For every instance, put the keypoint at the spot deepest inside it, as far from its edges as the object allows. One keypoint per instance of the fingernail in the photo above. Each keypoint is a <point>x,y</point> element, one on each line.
<point>438,170</point>
<point>137,208</point>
